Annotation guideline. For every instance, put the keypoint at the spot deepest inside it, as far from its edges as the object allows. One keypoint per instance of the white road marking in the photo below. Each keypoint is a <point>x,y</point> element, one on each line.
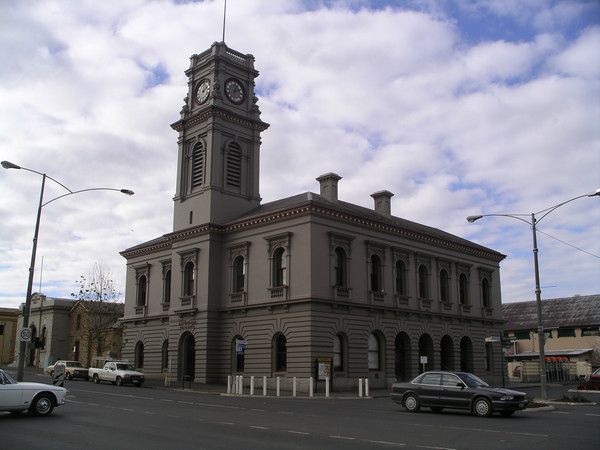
<point>210,405</point>
<point>435,448</point>
<point>126,409</point>
<point>346,438</point>
<point>297,432</point>
<point>226,423</point>
<point>259,410</point>
<point>289,413</point>
<point>593,415</point>
<point>470,429</point>
<point>185,403</point>
<point>560,412</point>
<point>259,427</point>
<point>150,412</point>
<point>166,400</point>
<point>526,434</point>
<point>396,444</point>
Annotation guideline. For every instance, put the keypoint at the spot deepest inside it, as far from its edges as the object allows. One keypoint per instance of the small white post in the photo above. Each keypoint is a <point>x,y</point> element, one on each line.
<point>360,389</point>
<point>311,387</point>
<point>326,386</point>
<point>366,387</point>
<point>235,384</point>
<point>264,386</point>
<point>294,387</point>
<point>277,389</point>
<point>252,385</point>
<point>229,384</point>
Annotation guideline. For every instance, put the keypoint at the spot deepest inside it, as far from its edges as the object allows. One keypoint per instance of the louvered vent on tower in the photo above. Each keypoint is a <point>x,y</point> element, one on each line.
<point>198,165</point>
<point>234,165</point>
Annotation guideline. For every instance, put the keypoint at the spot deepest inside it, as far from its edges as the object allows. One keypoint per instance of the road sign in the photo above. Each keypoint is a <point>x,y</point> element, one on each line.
<point>25,335</point>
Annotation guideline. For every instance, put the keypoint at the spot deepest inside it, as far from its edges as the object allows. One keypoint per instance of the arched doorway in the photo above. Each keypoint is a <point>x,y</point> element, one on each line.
<point>402,357</point>
<point>426,349</point>
<point>447,353</point>
<point>187,357</point>
<point>466,355</point>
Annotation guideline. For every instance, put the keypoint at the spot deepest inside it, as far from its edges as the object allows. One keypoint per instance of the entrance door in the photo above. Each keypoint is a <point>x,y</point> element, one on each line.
<point>187,357</point>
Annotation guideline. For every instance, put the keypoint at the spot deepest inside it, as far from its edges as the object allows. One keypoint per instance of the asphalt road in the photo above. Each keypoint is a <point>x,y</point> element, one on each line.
<point>105,416</point>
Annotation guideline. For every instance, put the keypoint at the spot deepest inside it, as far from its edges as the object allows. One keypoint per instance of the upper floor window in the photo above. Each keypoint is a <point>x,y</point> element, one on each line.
<point>423,282</point>
<point>233,175</point>
<point>485,293</point>
<point>463,289</point>
<point>341,267</point>
<point>141,293</point>
<point>401,278</point>
<point>279,267</point>
<point>444,286</point>
<point>188,279</point>
<point>239,274</point>
<point>566,332</point>
<point>198,158</point>
<point>167,287</point>
<point>376,274</point>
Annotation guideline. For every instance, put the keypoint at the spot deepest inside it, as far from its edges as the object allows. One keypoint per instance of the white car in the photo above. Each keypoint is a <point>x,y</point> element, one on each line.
<point>37,398</point>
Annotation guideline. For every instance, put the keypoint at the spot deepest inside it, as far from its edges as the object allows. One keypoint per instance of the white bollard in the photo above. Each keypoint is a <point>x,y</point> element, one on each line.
<point>264,386</point>
<point>366,387</point>
<point>360,387</point>
<point>311,387</point>
<point>235,384</point>
<point>326,386</point>
<point>252,385</point>
<point>241,384</point>
<point>229,384</point>
<point>277,388</point>
<point>294,387</point>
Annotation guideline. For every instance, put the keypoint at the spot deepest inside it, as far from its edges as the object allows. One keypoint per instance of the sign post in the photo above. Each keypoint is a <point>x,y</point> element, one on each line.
<point>424,361</point>
<point>25,334</point>
<point>58,377</point>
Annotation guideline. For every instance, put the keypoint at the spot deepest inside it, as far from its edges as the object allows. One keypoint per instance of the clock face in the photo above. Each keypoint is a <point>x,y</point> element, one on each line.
<point>202,91</point>
<point>234,91</point>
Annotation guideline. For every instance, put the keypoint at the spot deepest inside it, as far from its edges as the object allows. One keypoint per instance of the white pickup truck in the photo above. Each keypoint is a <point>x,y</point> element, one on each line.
<point>117,372</point>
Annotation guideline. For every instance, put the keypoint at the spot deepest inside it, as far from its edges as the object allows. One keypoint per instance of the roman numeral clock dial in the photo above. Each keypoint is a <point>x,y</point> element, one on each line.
<point>234,91</point>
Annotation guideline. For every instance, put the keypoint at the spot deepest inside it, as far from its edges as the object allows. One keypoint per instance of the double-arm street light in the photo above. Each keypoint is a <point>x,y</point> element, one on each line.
<point>538,297</point>
<point>9,165</point>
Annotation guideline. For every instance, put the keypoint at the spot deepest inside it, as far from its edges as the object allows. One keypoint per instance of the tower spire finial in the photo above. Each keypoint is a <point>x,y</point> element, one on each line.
<point>224,15</point>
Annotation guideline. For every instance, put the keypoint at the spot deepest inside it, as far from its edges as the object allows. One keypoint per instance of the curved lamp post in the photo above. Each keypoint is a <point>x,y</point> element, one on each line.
<point>9,165</point>
<point>538,298</point>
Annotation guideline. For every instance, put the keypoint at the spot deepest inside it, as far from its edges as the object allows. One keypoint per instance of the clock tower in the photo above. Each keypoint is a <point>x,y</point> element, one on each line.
<point>219,140</point>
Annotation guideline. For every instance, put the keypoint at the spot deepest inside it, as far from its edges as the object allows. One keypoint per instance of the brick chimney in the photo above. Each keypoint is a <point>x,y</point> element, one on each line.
<point>329,186</point>
<point>383,203</point>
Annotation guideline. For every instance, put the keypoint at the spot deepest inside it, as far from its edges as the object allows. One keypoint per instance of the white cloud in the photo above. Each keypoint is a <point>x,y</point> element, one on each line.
<point>389,99</point>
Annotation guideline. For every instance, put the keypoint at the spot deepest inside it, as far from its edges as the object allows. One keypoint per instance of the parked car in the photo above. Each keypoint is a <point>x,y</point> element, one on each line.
<point>592,383</point>
<point>457,390</point>
<point>37,398</point>
<point>117,372</point>
<point>73,369</point>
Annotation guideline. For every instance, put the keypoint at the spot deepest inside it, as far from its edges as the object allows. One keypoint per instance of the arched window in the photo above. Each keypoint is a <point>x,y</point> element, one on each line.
<point>340,267</point>
<point>423,282</point>
<point>167,293</point>
<point>485,292</point>
<point>233,175</point>
<point>489,357</point>
<point>463,289</point>
<point>376,278</point>
<point>198,165</point>
<point>339,352</point>
<point>400,277</point>
<point>279,267</point>
<point>141,293</point>
<point>139,355</point>
<point>239,274</point>
<point>374,357</point>
<point>164,360</point>
<point>188,279</point>
<point>280,353</point>
<point>444,286</point>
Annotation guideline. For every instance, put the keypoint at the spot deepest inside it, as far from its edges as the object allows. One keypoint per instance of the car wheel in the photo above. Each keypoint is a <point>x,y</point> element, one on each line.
<point>436,409</point>
<point>482,407</point>
<point>411,403</point>
<point>42,405</point>
<point>119,381</point>
<point>506,413</point>
<point>95,378</point>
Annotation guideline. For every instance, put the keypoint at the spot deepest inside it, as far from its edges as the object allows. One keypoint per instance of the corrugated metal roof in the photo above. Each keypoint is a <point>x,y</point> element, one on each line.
<point>580,310</point>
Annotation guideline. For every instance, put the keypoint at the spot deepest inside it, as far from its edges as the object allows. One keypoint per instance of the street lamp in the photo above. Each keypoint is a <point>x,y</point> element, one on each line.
<point>9,165</point>
<point>538,297</point>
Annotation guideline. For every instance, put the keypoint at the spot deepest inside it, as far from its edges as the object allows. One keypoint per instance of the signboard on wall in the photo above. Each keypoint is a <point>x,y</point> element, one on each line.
<point>323,368</point>
<point>240,345</point>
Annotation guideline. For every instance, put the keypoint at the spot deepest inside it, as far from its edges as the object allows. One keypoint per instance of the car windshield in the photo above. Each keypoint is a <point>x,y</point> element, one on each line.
<point>123,366</point>
<point>471,380</point>
<point>6,378</point>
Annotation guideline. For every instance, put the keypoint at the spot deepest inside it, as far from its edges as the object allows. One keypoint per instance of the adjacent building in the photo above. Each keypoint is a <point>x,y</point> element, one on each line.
<point>273,289</point>
<point>8,334</point>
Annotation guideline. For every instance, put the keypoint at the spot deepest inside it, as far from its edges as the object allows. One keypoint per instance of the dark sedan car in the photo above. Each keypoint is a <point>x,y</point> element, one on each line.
<point>457,390</point>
